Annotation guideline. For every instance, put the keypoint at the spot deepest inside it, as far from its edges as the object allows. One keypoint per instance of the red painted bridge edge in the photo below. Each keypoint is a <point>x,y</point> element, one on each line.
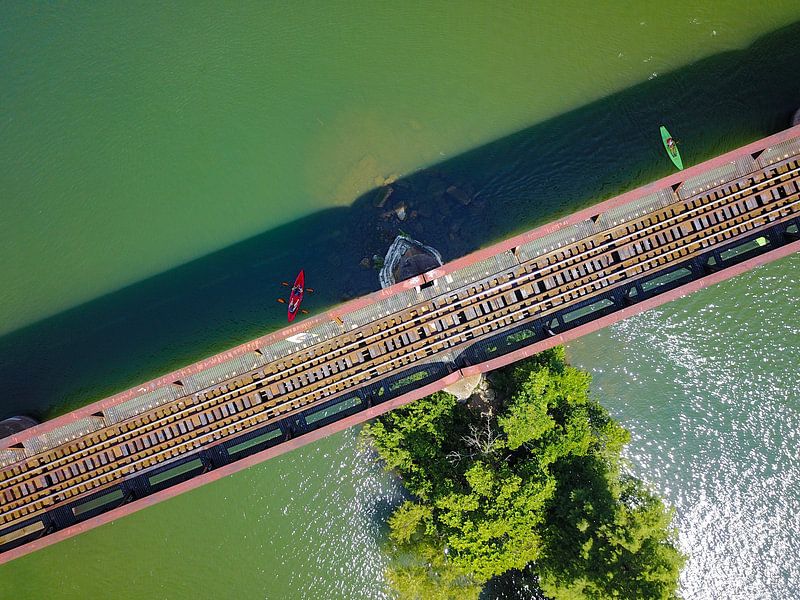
<point>343,309</point>
<point>371,413</point>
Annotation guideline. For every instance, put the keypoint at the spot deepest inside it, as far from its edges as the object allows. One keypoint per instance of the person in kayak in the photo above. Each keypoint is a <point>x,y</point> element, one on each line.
<point>671,145</point>
<point>297,290</point>
<point>293,305</point>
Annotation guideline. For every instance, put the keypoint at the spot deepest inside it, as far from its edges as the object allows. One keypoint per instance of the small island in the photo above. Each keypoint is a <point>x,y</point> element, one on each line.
<point>524,481</point>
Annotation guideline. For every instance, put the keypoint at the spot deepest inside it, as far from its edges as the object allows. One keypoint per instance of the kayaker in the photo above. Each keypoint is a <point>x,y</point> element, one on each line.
<point>293,305</point>
<point>671,144</point>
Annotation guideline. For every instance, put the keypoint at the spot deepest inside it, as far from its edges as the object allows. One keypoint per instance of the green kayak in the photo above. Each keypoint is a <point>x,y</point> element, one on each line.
<point>671,147</point>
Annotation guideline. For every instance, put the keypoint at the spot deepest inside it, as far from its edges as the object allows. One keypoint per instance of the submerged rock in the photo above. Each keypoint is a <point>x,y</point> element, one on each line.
<point>16,424</point>
<point>407,258</point>
<point>386,181</point>
<point>459,195</point>
<point>436,187</point>
<point>381,196</point>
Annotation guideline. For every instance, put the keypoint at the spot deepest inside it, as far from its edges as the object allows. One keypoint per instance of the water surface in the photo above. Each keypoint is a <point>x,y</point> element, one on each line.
<point>707,385</point>
<point>137,138</point>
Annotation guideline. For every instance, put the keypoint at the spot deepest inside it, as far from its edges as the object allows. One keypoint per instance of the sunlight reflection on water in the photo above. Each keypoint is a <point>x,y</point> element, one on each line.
<point>714,415</point>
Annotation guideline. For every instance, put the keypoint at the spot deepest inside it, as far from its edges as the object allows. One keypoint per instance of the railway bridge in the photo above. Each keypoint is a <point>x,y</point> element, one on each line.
<point>362,358</point>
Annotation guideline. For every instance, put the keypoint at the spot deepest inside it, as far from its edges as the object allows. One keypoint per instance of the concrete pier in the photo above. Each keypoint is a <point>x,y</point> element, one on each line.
<point>407,258</point>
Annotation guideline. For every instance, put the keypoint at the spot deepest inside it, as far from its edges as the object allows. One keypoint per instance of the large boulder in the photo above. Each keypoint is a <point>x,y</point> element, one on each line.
<point>464,387</point>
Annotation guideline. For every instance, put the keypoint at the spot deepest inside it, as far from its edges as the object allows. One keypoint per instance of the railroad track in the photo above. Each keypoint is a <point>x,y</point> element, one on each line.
<point>528,291</point>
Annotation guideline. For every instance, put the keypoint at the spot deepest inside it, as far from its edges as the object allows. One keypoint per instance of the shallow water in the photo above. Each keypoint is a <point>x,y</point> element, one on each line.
<point>135,140</point>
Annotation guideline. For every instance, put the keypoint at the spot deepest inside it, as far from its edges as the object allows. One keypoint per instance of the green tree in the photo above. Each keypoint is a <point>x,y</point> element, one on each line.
<point>533,481</point>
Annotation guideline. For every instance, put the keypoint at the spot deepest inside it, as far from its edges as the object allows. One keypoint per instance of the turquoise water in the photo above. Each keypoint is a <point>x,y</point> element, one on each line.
<point>707,385</point>
<point>163,164</point>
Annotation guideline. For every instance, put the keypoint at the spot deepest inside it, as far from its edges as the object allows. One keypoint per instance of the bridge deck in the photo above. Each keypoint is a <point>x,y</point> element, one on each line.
<point>367,356</point>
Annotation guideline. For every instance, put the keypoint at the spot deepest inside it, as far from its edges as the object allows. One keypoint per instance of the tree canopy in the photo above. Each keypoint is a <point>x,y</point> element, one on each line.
<point>533,480</point>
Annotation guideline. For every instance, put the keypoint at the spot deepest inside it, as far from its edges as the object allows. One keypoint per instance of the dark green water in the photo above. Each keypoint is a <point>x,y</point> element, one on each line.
<point>198,138</point>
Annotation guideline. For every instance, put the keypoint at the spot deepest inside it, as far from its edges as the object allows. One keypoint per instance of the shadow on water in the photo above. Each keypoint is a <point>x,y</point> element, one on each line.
<point>504,187</point>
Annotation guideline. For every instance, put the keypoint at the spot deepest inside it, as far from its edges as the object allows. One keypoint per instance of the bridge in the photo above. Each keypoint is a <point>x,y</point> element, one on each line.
<point>360,359</point>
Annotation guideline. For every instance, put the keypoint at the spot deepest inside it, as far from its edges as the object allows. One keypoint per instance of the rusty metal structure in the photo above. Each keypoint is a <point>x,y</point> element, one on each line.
<point>365,357</point>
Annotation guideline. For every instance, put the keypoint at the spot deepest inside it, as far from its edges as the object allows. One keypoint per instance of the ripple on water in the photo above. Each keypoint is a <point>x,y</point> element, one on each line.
<point>327,530</point>
<point>707,386</point>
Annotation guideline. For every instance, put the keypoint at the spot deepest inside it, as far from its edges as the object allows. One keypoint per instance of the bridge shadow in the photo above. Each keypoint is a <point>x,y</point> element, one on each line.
<point>501,188</point>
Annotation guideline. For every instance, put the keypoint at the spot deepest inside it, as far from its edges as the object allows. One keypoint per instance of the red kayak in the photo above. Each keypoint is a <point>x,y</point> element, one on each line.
<point>296,297</point>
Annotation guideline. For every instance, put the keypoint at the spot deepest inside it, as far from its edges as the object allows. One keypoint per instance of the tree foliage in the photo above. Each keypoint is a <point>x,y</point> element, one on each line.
<point>535,481</point>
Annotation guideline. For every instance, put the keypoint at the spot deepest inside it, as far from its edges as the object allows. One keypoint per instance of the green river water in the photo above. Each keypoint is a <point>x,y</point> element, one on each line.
<point>165,167</point>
